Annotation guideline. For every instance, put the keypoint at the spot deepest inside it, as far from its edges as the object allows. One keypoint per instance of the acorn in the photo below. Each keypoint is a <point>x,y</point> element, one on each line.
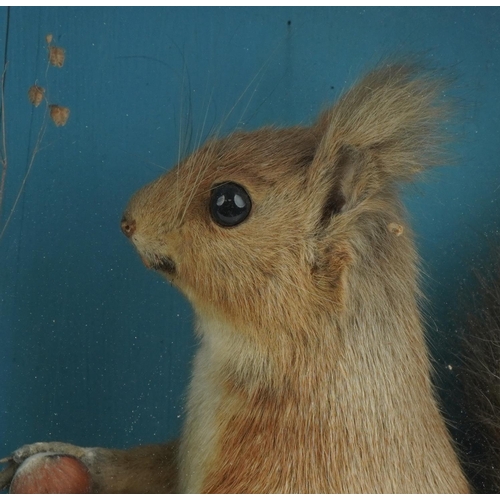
<point>52,473</point>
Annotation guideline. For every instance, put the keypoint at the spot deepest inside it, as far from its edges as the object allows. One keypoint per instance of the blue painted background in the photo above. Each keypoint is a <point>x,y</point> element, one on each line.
<point>94,349</point>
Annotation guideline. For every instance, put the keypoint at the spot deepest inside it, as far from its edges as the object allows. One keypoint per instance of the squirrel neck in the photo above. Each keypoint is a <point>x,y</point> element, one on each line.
<point>355,397</point>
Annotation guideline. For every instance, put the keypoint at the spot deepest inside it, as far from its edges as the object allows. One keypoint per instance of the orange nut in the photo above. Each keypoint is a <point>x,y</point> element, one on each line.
<point>52,473</point>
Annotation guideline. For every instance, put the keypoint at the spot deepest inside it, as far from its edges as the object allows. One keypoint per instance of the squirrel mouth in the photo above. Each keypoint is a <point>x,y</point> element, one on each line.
<point>165,264</point>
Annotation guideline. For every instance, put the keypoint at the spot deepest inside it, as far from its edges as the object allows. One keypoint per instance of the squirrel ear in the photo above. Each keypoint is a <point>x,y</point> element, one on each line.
<point>384,130</point>
<point>343,184</point>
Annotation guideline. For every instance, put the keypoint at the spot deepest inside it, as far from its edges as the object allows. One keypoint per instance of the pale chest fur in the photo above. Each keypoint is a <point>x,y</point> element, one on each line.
<point>346,434</point>
<point>200,434</point>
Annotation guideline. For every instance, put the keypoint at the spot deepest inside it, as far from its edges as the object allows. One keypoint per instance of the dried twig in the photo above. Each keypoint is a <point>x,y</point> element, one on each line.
<point>3,158</point>
<point>58,114</point>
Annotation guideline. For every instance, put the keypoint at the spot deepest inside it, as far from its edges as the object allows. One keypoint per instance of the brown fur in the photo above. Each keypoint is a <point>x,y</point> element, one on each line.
<point>313,372</point>
<point>481,377</point>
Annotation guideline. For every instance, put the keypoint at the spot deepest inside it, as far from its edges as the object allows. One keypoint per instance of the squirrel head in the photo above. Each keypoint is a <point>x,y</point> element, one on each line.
<point>262,228</point>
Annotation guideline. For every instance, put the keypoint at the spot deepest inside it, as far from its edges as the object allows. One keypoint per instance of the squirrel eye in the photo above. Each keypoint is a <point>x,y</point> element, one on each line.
<point>229,204</point>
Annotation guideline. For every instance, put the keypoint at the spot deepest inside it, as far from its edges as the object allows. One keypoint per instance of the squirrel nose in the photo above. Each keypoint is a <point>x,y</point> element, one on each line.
<point>128,226</point>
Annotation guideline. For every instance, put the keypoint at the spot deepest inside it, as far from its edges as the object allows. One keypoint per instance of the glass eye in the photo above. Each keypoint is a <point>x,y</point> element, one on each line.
<point>229,204</point>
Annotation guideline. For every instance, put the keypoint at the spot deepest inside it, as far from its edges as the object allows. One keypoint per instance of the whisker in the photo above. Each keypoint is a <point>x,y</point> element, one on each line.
<point>204,161</point>
<point>204,166</point>
<point>259,73</point>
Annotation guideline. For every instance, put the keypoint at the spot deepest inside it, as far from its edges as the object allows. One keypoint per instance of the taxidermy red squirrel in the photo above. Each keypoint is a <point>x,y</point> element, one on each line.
<point>312,374</point>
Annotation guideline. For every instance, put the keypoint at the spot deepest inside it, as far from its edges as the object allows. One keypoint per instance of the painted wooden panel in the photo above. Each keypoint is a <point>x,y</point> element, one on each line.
<point>94,349</point>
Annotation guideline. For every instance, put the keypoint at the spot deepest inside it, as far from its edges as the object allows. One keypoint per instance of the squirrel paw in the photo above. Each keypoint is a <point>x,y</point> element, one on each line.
<point>15,461</point>
<point>7,473</point>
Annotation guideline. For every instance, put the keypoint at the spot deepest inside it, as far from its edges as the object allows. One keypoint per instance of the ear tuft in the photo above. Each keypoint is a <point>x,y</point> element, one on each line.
<point>386,129</point>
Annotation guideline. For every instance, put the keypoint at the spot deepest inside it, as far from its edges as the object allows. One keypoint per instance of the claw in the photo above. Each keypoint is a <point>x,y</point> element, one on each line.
<point>6,475</point>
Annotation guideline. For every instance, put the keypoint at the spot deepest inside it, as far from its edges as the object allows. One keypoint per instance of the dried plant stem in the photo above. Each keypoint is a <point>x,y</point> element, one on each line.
<point>4,143</point>
<point>61,117</point>
<point>36,149</point>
